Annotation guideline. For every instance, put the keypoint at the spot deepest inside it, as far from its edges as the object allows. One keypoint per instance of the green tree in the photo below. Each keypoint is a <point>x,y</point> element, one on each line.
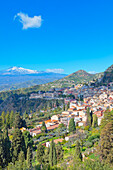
<point>106,143</point>
<point>7,117</point>
<point>21,159</point>
<point>59,152</point>
<point>89,118</point>
<point>3,118</point>
<point>7,146</point>
<point>78,154</point>
<point>29,158</point>
<point>43,128</point>
<point>52,154</point>
<point>68,105</point>
<point>95,121</point>
<point>11,118</point>
<point>108,117</point>
<point>2,151</point>
<point>72,127</point>
<point>28,139</point>
<point>17,121</point>
<point>18,144</point>
<point>64,107</point>
<point>40,153</point>
<point>46,156</point>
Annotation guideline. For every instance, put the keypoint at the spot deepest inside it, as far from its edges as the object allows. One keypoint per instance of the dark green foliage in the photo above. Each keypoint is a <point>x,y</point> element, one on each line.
<point>90,165</point>
<point>72,127</point>
<point>52,154</point>
<point>106,143</point>
<point>7,117</point>
<point>18,144</point>
<point>7,146</point>
<point>40,153</point>
<point>89,117</point>
<point>59,152</point>
<point>3,118</point>
<point>21,159</point>
<point>43,128</point>
<point>2,151</point>
<point>29,158</point>
<point>108,117</point>
<point>46,156</point>
<point>78,154</point>
<point>28,139</point>
<point>11,118</point>
<point>17,121</point>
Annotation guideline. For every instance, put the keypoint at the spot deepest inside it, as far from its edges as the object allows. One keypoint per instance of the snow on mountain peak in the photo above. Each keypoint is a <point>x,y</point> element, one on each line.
<point>22,70</point>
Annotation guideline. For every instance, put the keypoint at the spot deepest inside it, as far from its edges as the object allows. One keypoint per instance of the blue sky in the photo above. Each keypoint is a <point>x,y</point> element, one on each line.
<point>65,34</point>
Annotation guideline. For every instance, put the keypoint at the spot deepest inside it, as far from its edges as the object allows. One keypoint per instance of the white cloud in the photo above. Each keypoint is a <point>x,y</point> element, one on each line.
<point>29,22</point>
<point>92,72</point>
<point>59,70</point>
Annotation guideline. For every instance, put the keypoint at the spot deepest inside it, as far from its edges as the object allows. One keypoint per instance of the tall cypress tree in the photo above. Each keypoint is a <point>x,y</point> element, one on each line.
<point>95,121</point>
<point>106,143</point>
<point>52,154</point>
<point>89,118</point>
<point>78,154</point>
<point>7,146</point>
<point>18,121</point>
<point>7,120</point>
<point>29,158</point>
<point>43,127</point>
<point>21,159</point>
<point>3,118</point>
<point>11,118</point>
<point>40,153</point>
<point>2,151</point>
<point>72,127</point>
<point>18,144</point>
<point>59,152</point>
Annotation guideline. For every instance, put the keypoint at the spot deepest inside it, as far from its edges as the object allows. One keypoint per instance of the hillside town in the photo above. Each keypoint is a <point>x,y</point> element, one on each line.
<point>96,99</point>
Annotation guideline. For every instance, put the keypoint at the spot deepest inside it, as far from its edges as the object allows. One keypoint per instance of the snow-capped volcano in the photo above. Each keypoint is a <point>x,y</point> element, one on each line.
<point>19,70</point>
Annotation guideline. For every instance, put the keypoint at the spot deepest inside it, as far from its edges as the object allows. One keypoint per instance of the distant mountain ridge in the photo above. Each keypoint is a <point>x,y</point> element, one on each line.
<point>18,77</point>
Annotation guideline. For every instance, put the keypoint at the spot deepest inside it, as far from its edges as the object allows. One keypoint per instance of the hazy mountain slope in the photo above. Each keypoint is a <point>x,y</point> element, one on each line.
<point>108,76</point>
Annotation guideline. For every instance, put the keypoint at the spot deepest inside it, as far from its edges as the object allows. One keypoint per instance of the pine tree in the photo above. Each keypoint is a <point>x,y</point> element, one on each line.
<point>78,154</point>
<point>72,127</point>
<point>7,146</point>
<point>52,154</point>
<point>18,144</point>
<point>106,143</point>
<point>29,158</point>
<point>95,121</point>
<point>40,153</point>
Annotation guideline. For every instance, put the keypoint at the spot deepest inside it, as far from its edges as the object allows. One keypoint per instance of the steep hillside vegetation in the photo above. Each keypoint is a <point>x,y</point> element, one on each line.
<point>108,76</point>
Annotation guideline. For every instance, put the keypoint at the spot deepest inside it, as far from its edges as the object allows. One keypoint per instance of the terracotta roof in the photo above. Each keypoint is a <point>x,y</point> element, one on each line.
<point>52,127</point>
